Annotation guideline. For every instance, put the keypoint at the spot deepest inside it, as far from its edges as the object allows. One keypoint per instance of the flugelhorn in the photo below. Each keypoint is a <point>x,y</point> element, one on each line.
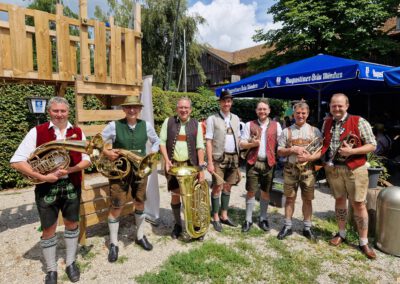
<point>53,155</point>
<point>350,139</point>
<point>195,198</point>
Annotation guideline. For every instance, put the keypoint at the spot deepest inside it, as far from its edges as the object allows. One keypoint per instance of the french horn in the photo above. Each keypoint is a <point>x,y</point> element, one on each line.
<point>195,198</point>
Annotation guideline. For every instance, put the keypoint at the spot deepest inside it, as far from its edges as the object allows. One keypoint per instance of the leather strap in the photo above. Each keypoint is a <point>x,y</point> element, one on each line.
<point>181,137</point>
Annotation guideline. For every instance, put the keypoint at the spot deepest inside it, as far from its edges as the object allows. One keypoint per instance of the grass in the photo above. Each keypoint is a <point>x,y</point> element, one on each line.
<point>257,257</point>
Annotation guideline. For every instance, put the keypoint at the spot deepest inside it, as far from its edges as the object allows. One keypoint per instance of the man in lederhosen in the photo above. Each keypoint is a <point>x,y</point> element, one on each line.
<point>222,146</point>
<point>61,190</point>
<point>299,169</point>
<point>181,144</point>
<point>129,133</point>
<point>346,170</point>
<point>260,136</point>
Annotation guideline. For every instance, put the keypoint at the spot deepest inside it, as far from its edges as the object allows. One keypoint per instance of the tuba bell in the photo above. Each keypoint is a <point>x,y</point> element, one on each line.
<point>195,199</point>
<point>53,155</point>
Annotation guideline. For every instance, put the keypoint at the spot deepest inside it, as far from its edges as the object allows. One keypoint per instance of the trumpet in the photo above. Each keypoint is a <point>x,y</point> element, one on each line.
<point>350,139</point>
<point>314,146</point>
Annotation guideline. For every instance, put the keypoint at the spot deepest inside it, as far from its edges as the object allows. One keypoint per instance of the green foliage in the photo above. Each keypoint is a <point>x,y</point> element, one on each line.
<point>49,6</point>
<point>157,27</point>
<point>342,28</point>
<point>16,122</point>
<point>16,119</point>
<point>164,105</point>
<point>246,108</point>
<point>375,161</point>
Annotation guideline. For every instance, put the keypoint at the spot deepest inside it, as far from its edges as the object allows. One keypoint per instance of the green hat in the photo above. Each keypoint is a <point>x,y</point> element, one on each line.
<point>132,101</point>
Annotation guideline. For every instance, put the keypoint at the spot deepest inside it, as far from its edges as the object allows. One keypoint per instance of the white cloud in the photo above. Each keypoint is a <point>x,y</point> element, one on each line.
<point>229,24</point>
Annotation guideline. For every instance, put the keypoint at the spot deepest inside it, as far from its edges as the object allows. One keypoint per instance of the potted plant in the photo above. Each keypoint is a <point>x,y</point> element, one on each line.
<point>376,170</point>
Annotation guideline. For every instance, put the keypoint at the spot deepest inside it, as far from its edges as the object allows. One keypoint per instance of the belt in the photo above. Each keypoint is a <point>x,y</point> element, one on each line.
<point>261,159</point>
<point>180,163</point>
<point>181,137</point>
<point>298,165</point>
<point>226,153</point>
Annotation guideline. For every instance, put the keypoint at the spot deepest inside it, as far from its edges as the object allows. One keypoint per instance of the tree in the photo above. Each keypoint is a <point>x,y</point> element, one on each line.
<point>157,28</point>
<point>343,28</point>
<point>49,6</point>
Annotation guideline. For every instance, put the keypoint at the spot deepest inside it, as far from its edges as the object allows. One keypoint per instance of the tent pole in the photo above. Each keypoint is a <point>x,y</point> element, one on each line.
<point>369,106</point>
<point>319,105</point>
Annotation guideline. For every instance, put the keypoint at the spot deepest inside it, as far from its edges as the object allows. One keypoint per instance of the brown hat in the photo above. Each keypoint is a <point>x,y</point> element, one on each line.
<point>132,101</point>
<point>225,94</point>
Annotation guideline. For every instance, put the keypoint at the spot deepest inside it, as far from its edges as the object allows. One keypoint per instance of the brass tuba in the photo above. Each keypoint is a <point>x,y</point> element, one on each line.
<point>127,161</point>
<point>195,199</point>
<point>53,155</point>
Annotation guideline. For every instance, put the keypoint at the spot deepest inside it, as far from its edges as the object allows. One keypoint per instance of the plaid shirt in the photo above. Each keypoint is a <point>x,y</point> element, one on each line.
<point>367,136</point>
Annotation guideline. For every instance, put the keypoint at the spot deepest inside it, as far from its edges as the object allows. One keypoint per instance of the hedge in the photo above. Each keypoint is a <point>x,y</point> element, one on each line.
<point>15,119</point>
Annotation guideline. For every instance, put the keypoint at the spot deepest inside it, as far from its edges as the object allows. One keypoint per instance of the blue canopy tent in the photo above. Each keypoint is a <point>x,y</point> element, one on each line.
<point>310,78</point>
<point>392,77</point>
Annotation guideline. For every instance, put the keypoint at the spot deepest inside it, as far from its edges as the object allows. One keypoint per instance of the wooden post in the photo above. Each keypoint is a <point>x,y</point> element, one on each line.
<point>84,44</point>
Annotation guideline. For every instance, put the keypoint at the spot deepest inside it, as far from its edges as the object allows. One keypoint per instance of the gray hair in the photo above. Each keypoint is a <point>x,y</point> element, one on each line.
<point>57,100</point>
<point>184,99</point>
<point>301,105</point>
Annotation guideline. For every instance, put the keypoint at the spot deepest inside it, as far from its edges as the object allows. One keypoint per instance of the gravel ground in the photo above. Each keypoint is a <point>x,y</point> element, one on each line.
<point>22,261</point>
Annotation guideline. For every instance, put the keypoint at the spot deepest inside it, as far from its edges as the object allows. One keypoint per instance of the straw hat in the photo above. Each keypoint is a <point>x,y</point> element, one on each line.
<point>132,101</point>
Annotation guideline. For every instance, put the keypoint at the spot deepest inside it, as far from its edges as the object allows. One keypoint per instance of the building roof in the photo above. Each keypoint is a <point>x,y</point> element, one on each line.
<point>240,56</point>
<point>390,26</point>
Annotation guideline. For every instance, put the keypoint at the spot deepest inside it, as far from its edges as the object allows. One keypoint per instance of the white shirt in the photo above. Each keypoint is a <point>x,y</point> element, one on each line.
<point>28,145</point>
<point>263,140</point>
<point>230,146</point>
<point>109,134</point>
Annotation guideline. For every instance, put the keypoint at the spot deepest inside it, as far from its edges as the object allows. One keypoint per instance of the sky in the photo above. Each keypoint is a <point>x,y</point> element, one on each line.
<point>229,26</point>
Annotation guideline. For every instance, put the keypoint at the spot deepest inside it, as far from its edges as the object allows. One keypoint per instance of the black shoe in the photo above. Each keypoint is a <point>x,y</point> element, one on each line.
<point>176,232</point>
<point>144,243</point>
<point>228,222</point>
<point>246,226</point>
<point>264,225</point>
<point>309,234</point>
<point>284,233</point>
<point>51,277</point>
<point>217,226</point>
<point>73,272</point>
<point>113,253</point>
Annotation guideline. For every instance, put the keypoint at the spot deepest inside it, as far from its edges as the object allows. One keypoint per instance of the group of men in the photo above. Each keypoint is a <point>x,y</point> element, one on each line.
<point>181,143</point>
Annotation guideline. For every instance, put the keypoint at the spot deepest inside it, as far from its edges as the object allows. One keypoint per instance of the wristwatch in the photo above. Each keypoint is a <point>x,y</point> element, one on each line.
<point>203,166</point>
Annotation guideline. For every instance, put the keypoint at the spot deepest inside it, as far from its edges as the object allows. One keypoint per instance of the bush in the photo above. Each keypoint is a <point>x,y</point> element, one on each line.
<point>15,119</point>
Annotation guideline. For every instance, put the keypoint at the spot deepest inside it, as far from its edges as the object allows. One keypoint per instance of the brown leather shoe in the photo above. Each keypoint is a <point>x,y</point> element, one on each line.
<point>367,251</point>
<point>336,240</point>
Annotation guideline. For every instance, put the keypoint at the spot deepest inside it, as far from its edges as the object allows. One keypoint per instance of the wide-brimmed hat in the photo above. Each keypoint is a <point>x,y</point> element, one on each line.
<point>225,94</point>
<point>132,101</point>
